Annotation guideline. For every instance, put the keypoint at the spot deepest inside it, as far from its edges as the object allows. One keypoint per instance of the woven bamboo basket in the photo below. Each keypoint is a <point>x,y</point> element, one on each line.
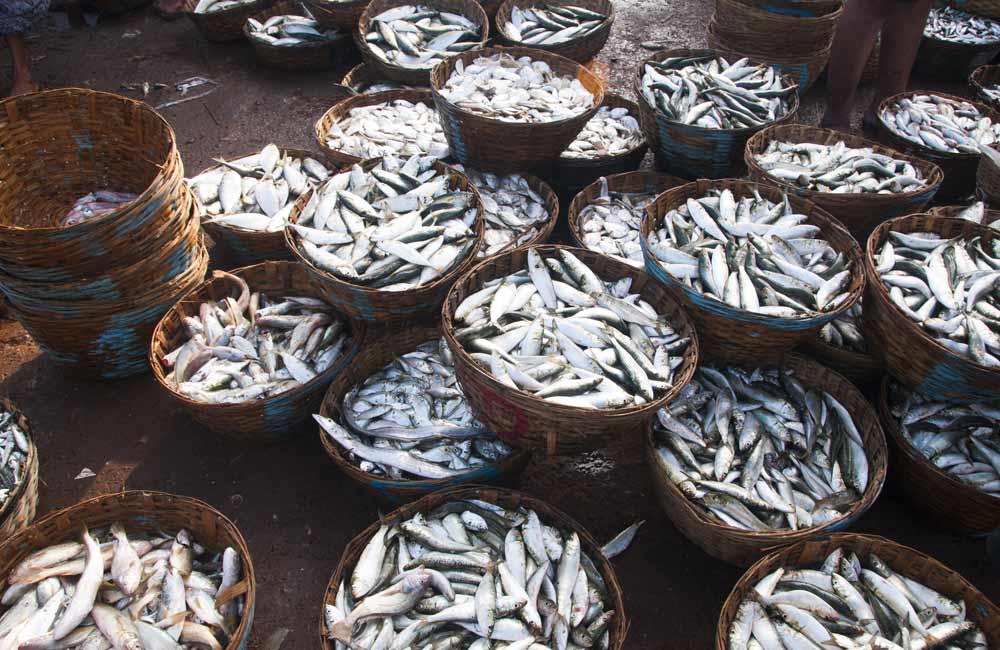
<point>551,199</point>
<point>574,174</point>
<point>151,512</point>
<point>59,145</point>
<point>988,8</point>
<point>950,60</point>
<point>863,369</point>
<point>374,305</point>
<point>806,8</point>
<point>691,151</point>
<point>803,69</point>
<point>225,25</point>
<point>952,211</point>
<point>381,351</point>
<point>337,15</point>
<point>860,213</point>
<point>959,168</point>
<point>982,77</point>
<point>870,72</point>
<point>361,77</point>
<point>640,181</point>
<point>732,334</point>
<point>526,421</point>
<point>801,36</point>
<point>744,547</point>
<point>507,499</point>
<point>952,502</point>
<point>413,76</point>
<point>580,49</point>
<point>308,55</point>
<point>908,352</point>
<point>988,182</point>
<point>902,559</point>
<point>342,109</point>
<point>245,247</point>
<point>22,503</point>
<point>494,145</point>
<point>272,418</point>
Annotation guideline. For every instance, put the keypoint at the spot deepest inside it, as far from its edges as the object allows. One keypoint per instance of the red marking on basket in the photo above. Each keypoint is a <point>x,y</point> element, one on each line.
<point>520,424</point>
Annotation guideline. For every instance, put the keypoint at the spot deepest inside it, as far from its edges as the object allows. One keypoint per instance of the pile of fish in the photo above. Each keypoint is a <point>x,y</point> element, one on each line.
<point>956,26</point>
<point>471,574</point>
<point>213,6</point>
<point>411,419</point>
<point>844,603</point>
<point>559,332</point>
<point>551,24</point>
<point>992,90</point>
<point>610,223</point>
<point>760,451</point>
<point>397,127</point>
<point>838,168</point>
<point>940,123</point>
<point>709,92</point>
<point>94,205</point>
<point>257,192</point>
<point>751,254</point>
<point>397,227</point>
<point>611,132</point>
<point>844,331</point>
<point>420,37</point>
<point>288,31</point>
<point>14,449</point>
<point>514,212</point>
<point>977,214</point>
<point>962,439</point>
<point>515,90</point>
<point>255,346</point>
<point>948,288</point>
<point>381,86</point>
<point>123,590</point>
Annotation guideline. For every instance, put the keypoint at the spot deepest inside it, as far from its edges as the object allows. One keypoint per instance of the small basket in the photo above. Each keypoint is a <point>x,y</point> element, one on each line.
<point>225,25</point>
<point>988,8</point>
<point>551,199</point>
<point>372,358</point>
<point>21,504</point>
<point>308,55</point>
<point>526,421</point>
<point>907,351</point>
<point>744,547</point>
<point>985,75</point>
<point>949,60</point>
<point>732,334</point>
<point>691,151</point>
<point>272,418</point>
<point>151,512</point>
<point>574,174</point>
<point>902,559</point>
<point>959,168</point>
<point>507,499</point>
<point>952,502</point>
<point>359,78</point>
<point>494,145</point>
<point>803,69</point>
<point>580,49</point>
<point>342,109</point>
<point>337,15</point>
<point>860,213</point>
<point>368,304</point>
<point>470,9</point>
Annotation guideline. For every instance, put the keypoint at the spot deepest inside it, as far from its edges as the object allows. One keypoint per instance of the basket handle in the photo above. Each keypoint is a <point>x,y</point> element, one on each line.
<point>240,588</point>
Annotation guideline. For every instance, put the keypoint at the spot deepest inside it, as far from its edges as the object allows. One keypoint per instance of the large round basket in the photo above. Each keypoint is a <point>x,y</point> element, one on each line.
<point>524,420</point>
<point>959,168</point>
<point>551,199</point>
<point>988,182</point>
<point>950,60</point>
<point>579,49</point>
<point>272,418</point>
<point>732,334</point>
<point>362,76</point>
<point>58,146</point>
<point>744,547</point>
<point>807,8</point>
<point>691,151</point>
<point>756,28</point>
<point>573,174</point>
<point>378,353</point>
<point>374,305</point>
<point>337,15</point>
<point>150,512</point>
<point>983,77</point>
<point>859,212</point>
<point>494,145</point>
<point>470,9</point>
<point>22,502</point>
<point>307,55</point>
<point>648,182</point>
<point>803,69</point>
<point>507,499</point>
<point>988,8</point>
<point>902,559</point>
<point>224,25</point>
<point>908,352</point>
<point>343,108</point>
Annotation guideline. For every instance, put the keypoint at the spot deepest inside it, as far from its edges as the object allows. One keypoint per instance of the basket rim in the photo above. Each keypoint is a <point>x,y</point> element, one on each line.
<point>982,107</point>
<point>30,461</point>
<point>502,31</point>
<point>609,98</point>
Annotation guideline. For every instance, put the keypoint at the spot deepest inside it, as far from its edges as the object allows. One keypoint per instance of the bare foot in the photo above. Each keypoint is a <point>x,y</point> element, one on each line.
<point>24,87</point>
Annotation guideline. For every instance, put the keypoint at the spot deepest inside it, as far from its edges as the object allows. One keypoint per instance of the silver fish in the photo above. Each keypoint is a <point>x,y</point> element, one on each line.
<point>419,37</point>
<point>551,24</point>
<point>395,127</point>
<point>611,132</point>
<point>610,224</point>
<point>14,447</point>
<point>214,6</point>
<point>845,331</point>
<point>96,204</point>
<point>957,26</point>
<point>941,124</point>
<point>290,31</point>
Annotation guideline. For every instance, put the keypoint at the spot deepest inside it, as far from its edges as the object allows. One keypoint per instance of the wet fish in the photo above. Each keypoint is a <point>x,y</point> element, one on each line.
<point>96,204</point>
<point>214,6</point>
<point>290,31</point>
<point>551,24</point>
<point>611,132</point>
<point>420,37</point>
<point>610,224</point>
<point>940,123</point>
<point>976,212</point>
<point>396,127</point>
<point>845,331</point>
<point>620,543</point>
<point>957,26</point>
<point>14,448</point>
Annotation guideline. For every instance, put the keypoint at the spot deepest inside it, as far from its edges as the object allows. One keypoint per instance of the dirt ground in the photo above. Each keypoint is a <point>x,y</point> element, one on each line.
<point>295,510</point>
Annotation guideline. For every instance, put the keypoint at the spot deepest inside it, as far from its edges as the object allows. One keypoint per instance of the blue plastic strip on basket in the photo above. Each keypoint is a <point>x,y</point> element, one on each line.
<point>789,11</point>
<point>710,157</point>
<point>248,616</point>
<point>950,382</point>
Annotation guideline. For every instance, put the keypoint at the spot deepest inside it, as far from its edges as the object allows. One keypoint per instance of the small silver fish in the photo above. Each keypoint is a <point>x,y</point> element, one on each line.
<point>551,24</point>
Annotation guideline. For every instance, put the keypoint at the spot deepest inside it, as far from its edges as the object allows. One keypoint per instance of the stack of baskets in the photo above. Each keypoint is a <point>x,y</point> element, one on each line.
<point>91,293</point>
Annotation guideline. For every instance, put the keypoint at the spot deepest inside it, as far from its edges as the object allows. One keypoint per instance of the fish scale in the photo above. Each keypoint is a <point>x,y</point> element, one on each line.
<point>610,224</point>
